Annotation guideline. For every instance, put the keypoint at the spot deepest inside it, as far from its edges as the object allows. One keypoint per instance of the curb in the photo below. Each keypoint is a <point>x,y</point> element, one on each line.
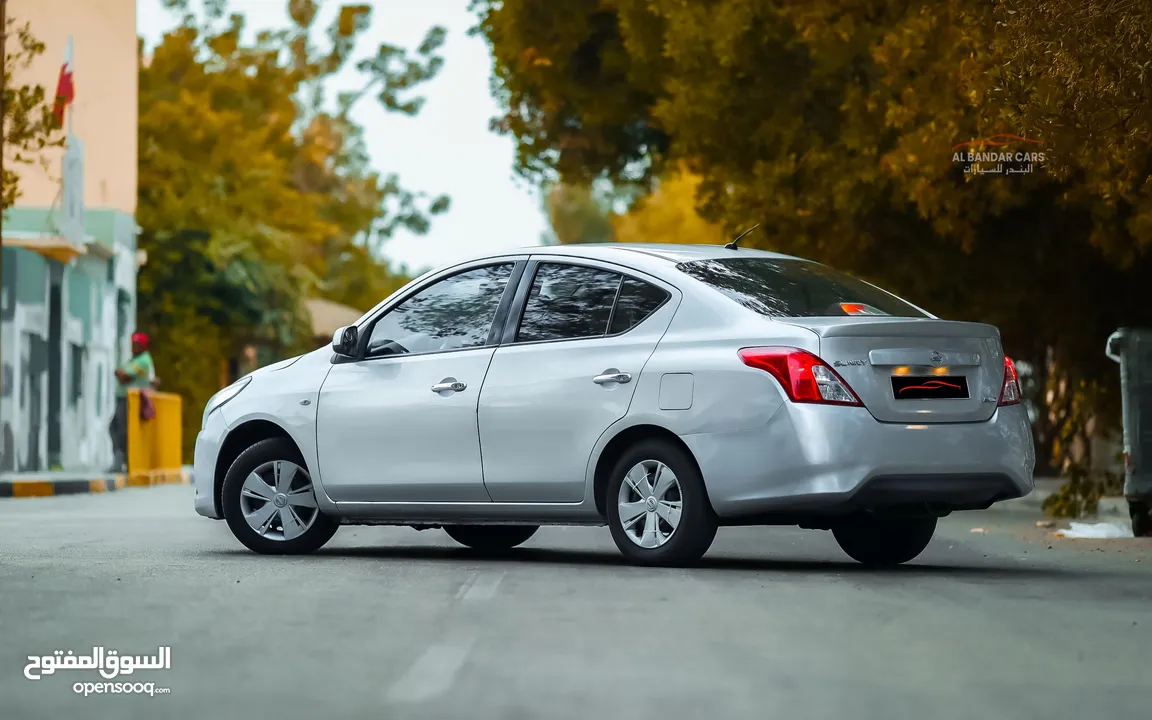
<point>52,484</point>
<point>1032,501</point>
<point>148,478</point>
<point>24,487</point>
<point>1112,506</point>
<point>1042,489</point>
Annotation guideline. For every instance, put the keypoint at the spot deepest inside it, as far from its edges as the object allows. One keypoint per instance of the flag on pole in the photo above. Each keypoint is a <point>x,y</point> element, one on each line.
<point>65,90</point>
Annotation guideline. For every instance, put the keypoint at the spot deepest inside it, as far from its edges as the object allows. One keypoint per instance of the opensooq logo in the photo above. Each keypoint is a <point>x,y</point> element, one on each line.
<point>109,663</point>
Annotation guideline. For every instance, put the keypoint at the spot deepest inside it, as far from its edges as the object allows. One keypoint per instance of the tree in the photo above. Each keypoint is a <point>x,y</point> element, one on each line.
<point>833,124</point>
<point>27,125</point>
<point>255,194</point>
<point>1080,74</point>
<point>578,214</point>
<point>668,215</point>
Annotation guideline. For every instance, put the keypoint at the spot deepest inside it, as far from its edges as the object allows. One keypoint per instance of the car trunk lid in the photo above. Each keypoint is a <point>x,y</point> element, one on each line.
<point>919,370</point>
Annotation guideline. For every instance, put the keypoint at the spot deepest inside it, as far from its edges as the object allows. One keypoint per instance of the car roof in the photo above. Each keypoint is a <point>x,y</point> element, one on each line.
<point>657,259</point>
<point>624,252</point>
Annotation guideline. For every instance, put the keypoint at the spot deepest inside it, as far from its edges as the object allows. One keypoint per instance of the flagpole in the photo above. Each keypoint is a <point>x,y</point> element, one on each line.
<point>67,193</point>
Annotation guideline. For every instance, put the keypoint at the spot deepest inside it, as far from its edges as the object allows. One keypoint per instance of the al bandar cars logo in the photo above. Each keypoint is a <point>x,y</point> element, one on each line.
<point>1002,154</point>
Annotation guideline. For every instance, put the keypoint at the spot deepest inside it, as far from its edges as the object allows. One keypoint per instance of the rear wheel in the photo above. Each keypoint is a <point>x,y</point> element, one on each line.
<point>658,508</point>
<point>875,541</point>
<point>269,502</point>
<point>491,537</point>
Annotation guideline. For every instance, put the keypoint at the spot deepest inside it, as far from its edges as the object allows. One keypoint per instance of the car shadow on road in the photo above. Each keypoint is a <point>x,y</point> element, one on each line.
<point>989,569</point>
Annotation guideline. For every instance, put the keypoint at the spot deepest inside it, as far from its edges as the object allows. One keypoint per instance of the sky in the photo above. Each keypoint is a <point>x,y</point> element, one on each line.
<point>446,148</point>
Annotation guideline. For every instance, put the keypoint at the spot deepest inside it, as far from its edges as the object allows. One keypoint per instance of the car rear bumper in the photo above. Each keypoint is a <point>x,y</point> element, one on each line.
<point>208,444</point>
<point>814,459</point>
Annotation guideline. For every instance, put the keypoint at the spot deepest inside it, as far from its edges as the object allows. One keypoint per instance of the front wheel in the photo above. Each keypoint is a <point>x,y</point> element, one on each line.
<point>491,537</point>
<point>658,508</point>
<point>270,504</point>
<point>875,541</point>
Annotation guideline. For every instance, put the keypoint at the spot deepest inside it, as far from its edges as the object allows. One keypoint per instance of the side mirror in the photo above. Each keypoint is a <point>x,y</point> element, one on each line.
<point>345,340</point>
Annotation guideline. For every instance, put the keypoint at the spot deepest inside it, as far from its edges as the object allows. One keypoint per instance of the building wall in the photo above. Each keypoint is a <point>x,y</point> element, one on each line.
<point>105,108</point>
<point>96,299</point>
<point>57,389</point>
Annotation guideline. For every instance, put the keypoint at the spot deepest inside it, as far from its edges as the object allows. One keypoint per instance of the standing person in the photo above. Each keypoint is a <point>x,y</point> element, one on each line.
<point>139,372</point>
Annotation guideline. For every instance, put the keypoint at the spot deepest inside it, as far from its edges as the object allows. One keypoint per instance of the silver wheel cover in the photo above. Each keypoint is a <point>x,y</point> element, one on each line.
<point>650,503</point>
<point>277,500</point>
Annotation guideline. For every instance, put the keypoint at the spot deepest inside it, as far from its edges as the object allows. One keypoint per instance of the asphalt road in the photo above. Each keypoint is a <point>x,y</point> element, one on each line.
<point>392,623</point>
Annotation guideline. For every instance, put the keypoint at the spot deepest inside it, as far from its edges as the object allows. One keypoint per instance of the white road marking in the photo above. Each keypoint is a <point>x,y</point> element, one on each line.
<point>432,674</point>
<point>466,586</point>
<point>482,587</point>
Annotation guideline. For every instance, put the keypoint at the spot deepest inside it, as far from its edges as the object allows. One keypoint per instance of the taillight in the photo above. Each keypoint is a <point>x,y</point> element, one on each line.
<point>1010,391</point>
<point>805,377</point>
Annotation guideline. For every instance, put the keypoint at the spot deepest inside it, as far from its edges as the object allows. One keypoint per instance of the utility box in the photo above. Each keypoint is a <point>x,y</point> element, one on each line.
<point>1132,348</point>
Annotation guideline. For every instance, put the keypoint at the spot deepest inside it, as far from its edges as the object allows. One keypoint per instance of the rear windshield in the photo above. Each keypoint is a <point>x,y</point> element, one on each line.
<point>795,288</point>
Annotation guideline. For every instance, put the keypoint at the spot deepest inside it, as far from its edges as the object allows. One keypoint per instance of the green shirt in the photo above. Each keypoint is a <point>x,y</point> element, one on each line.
<point>142,372</point>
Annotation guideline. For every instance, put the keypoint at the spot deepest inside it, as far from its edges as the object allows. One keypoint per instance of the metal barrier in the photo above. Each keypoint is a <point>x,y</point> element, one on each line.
<point>155,446</point>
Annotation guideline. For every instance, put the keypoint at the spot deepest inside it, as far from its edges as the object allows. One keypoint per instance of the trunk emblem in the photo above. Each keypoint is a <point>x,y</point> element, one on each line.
<point>848,363</point>
<point>937,357</point>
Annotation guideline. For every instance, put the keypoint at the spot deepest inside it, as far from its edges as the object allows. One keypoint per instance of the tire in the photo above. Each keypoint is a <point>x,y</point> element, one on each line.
<point>491,538</point>
<point>1140,513</point>
<point>644,538</point>
<point>265,459</point>
<point>873,541</point>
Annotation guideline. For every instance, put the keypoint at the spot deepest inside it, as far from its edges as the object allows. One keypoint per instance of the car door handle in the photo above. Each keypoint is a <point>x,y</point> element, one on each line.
<point>612,377</point>
<point>449,385</point>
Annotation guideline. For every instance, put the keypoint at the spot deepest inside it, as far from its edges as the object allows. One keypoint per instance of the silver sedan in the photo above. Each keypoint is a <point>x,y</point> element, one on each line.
<point>660,390</point>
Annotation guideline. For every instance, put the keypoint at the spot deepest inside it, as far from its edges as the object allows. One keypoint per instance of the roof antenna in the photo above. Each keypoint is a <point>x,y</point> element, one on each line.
<point>734,245</point>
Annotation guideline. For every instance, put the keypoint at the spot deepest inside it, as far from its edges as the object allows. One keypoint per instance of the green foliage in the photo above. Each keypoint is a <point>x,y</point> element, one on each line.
<point>1073,417</point>
<point>833,122</point>
<point>581,214</point>
<point>254,194</point>
<point>578,214</point>
<point>1080,494</point>
<point>575,100</point>
<point>28,124</point>
<point>1080,75</point>
<point>668,215</point>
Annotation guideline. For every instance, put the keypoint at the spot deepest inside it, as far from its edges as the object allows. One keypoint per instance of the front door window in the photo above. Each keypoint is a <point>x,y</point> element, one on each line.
<point>451,314</point>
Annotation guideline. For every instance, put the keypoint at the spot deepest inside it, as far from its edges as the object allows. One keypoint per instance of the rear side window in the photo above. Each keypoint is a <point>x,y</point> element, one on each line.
<point>637,301</point>
<point>568,302</point>
<point>783,287</point>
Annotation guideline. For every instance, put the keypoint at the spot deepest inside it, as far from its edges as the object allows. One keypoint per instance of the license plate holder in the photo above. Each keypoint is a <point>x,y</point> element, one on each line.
<point>930,387</point>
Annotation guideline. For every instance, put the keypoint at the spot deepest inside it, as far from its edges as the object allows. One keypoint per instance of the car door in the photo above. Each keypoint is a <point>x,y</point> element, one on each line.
<point>565,373</point>
<point>397,423</point>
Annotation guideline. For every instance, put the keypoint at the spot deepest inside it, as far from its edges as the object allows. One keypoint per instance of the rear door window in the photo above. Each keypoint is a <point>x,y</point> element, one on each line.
<point>785,287</point>
<point>568,302</point>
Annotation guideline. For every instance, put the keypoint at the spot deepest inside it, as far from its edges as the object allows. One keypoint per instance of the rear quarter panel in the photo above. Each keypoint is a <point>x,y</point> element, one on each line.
<point>727,396</point>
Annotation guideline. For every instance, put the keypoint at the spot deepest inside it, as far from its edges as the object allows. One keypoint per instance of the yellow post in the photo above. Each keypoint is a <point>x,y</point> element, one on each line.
<point>139,453</point>
<point>155,446</point>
